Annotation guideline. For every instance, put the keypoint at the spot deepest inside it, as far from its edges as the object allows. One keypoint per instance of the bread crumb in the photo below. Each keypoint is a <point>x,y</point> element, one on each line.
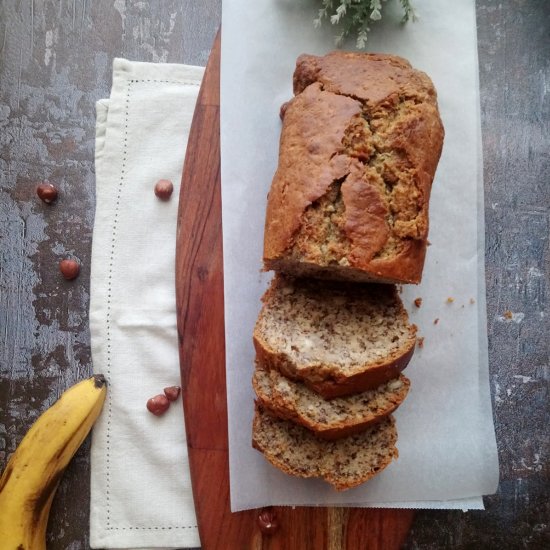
<point>450,300</point>
<point>508,314</point>
<point>472,301</point>
<point>420,341</point>
<point>436,321</point>
<point>418,302</point>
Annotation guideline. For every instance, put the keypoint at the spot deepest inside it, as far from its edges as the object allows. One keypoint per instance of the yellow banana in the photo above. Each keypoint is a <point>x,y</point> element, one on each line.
<point>29,482</point>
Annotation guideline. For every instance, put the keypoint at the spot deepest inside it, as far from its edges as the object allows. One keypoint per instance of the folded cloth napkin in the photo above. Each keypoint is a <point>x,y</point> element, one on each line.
<point>140,487</point>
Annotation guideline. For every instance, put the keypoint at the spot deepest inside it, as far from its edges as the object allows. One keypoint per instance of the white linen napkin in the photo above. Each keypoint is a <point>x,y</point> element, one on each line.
<point>140,487</point>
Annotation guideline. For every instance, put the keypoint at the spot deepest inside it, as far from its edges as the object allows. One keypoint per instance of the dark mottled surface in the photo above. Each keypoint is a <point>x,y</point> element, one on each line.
<point>55,59</point>
<point>514,66</point>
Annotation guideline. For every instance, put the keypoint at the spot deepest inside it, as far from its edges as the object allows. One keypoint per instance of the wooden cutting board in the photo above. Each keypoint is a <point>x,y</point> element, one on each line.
<point>200,309</point>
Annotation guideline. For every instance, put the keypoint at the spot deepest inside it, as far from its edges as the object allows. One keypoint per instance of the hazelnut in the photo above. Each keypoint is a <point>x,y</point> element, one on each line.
<point>283,109</point>
<point>47,192</point>
<point>69,269</point>
<point>158,405</point>
<point>164,189</point>
<point>173,392</point>
<point>267,521</point>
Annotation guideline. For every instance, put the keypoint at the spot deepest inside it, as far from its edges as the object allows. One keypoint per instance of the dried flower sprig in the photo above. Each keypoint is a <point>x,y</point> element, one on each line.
<point>356,15</point>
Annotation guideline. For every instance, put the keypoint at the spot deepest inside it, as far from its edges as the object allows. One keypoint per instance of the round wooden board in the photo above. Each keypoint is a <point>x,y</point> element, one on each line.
<point>200,310</point>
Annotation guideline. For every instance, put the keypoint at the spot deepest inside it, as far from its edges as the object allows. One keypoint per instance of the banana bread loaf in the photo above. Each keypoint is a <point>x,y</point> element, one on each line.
<point>340,417</point>
<point>344,463</point>
<point>339,338</point>
<point>359,147</point>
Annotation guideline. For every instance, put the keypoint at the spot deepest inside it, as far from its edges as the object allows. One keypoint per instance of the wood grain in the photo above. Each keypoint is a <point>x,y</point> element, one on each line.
<point>200,307</point>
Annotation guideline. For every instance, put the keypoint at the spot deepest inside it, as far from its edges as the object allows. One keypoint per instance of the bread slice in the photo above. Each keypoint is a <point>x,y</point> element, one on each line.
<point>359,147</point>
<point>329,420</point>
<point>338,338</point>
<point>344,463</point>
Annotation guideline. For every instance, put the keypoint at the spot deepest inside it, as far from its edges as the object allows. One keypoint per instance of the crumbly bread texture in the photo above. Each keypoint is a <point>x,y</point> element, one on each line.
<point>344,463</point>
<point>339,338</point>
<point>329,420</point>
<point>359,147</point>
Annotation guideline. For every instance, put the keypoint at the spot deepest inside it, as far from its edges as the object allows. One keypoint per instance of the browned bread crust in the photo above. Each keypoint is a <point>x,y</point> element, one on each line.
<point>367,380</point>
<point>344,463</point>
<point>359,148</point>
<point>307,329</point>
<point>329,420</point>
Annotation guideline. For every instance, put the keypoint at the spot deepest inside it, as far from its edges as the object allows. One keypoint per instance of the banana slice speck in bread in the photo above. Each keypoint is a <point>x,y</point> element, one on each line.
<point>344,463</point>
<point>339,338</point>
<point>334,419</point>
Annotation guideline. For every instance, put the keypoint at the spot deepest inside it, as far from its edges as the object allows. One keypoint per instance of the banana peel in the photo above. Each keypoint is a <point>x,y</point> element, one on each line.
<point>30,479</point>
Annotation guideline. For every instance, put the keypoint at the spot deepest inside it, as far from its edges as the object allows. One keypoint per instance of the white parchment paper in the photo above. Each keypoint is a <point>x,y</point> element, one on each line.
<point>446,437</point>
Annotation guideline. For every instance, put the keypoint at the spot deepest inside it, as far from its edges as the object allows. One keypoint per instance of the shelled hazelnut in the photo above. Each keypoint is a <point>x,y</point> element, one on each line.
<point>164,189</point>
<point>282,110</point>
<point>172,392</point>
<point>158,405</point>
<point>47,192</point>
<point>267,521</point>
<point>69,269</point>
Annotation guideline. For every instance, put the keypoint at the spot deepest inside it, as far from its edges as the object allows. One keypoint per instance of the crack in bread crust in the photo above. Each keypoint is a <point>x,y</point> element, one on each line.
<point>386,175</point>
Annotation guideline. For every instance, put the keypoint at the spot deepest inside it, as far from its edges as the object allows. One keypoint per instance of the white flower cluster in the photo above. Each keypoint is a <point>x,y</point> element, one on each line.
<point>355,15</point>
